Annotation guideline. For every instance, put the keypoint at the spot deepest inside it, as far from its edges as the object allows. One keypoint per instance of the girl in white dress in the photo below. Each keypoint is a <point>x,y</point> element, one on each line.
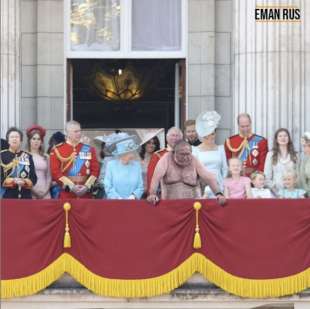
<point>211,155</point>
<point>258,179</point>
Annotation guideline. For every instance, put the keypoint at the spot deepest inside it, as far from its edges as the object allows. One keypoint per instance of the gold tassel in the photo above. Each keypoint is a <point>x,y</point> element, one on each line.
<point>67,238</point>
<point>197,238</point>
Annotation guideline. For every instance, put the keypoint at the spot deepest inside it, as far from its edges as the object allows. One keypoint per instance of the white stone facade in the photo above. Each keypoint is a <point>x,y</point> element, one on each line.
<point>272,69</point>
<point>233,65</point>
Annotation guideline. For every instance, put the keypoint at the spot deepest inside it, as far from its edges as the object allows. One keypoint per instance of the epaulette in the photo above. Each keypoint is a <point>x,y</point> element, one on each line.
<point>233,136</point>
<point>3,150</point>
<point>58,145</point>
<point>160,150</point>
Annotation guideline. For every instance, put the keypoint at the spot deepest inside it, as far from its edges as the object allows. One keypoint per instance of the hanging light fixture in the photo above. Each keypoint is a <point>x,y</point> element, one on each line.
<point>122,84</point>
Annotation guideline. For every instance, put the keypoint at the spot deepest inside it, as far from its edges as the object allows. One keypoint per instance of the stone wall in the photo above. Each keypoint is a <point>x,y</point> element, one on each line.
<point>42,64</point>
<point>209,60</point>
<point>272,69</point>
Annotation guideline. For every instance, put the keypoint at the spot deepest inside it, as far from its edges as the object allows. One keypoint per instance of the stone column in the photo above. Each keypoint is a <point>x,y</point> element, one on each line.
<point>272,69</point>
<point>50,65</point>
<point>201,57</point>
<point>10,64</point>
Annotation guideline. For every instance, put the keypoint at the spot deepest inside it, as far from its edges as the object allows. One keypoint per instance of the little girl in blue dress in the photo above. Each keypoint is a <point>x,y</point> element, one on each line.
<point>289,186</point>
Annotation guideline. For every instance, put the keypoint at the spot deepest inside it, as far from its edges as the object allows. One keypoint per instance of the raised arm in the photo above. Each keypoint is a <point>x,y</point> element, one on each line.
<point>159,173</point>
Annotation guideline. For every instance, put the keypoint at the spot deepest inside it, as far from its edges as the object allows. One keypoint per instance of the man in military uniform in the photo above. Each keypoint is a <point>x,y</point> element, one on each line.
<point>18,174</point>
<point>173,136</point>
<point>74,165</point>
<point>250,148</point>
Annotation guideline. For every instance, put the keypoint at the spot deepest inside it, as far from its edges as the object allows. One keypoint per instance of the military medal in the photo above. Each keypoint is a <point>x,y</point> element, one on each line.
<point>23,174</point>
<point>87,165</point>
<point>255,154</point>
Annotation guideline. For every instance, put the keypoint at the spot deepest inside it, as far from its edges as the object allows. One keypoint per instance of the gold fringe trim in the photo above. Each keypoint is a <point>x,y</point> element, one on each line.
<point>157,285</point>
<point>253,288</point>
<point>132,288</point>
<point>33,284</point>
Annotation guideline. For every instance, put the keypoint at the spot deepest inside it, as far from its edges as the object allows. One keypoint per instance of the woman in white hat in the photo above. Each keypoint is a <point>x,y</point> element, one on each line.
<point>123,176</point>
<point>211,155</point>
<point>304,166</point>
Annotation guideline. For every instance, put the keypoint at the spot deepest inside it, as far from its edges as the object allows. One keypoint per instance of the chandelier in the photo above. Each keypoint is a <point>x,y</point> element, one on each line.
<point>121,84</point>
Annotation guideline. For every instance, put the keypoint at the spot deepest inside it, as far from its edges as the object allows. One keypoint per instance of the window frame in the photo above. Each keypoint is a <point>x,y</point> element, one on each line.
<point>125,38</point>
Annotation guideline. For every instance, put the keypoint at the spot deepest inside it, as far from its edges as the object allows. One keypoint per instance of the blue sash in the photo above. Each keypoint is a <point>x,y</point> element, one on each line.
<point>55,191</point>
<point>247,150</point>
<point>2,191</point>
<point>76,167</point>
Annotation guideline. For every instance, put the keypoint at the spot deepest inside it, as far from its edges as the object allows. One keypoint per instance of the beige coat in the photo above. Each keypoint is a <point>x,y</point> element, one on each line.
<point>304,174</point>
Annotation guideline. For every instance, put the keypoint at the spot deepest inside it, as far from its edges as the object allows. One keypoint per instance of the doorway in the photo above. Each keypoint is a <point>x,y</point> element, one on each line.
<point>126,93</point>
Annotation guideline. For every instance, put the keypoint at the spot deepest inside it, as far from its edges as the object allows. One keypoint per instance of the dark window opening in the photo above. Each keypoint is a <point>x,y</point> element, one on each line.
<point>123,93</point>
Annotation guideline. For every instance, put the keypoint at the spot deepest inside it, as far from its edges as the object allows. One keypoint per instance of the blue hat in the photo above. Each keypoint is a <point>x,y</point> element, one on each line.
<point>111,138</point>
<point>125,145</point>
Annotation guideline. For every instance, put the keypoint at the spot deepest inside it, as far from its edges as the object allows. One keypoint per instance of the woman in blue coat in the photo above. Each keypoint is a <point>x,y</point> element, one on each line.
<point>123,176</point>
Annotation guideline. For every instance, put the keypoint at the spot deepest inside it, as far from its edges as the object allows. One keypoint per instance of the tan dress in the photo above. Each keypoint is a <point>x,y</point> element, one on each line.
<point>181,182</point>
<point>304,174</point>
<point>42,168</point>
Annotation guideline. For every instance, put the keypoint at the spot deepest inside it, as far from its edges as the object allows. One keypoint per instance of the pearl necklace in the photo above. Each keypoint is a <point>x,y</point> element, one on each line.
<point>285,160</point>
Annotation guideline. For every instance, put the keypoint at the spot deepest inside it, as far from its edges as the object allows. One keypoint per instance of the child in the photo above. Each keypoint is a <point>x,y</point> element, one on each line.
<point>236,186</point>
<point>289,184</point>
<point>258,180</point>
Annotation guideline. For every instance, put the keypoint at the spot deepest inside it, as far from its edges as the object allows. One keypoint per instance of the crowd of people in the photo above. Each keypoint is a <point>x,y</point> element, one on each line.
<point>190,166</point>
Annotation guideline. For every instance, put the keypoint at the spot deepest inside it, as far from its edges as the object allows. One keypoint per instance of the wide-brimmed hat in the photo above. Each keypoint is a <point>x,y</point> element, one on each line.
<point>147,135</point>
<point>109,139</point>
<point>207,122</point>
<point>305,139</point>
<point>36,128</point>
<point>124,145</point>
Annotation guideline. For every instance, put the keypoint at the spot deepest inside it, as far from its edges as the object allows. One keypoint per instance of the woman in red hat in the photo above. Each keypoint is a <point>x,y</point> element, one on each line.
<point>35,136</point>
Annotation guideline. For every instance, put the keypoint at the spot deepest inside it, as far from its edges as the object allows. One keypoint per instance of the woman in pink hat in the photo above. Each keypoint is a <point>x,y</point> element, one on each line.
<point>35,136</point>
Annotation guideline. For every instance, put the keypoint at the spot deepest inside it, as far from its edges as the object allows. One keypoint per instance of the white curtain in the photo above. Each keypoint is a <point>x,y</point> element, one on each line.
<point>156,25</point>
<point>95,25</point>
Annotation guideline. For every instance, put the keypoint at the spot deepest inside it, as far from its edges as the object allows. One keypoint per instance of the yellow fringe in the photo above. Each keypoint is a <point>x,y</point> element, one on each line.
<point>132,288</point>
<point>156,285</point>
<point>32,284</point>
<point>253,288</point>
